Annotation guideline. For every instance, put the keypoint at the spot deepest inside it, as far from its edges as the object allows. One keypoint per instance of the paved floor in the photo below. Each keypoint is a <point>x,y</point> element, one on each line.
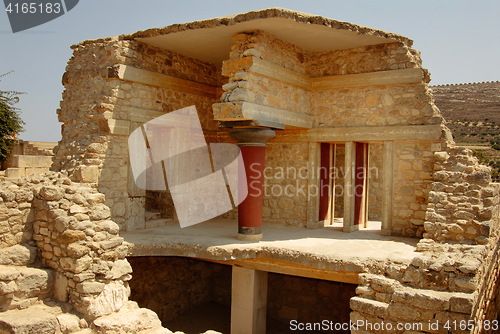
<point>327,248</point>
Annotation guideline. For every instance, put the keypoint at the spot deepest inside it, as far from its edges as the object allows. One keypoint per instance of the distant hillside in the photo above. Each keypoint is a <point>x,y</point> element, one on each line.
<point>472,112</point>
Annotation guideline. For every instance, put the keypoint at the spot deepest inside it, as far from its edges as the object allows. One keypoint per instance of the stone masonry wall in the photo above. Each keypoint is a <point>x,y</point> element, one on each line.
<point>487,306</point>
<point>413,163</point>
<point>62,264</point>
<point>285,186</point>
<point>434,291</point>
<point>463,204</point>
<point>94,97</point>
<point>251,87</point>
<point>364,59</point>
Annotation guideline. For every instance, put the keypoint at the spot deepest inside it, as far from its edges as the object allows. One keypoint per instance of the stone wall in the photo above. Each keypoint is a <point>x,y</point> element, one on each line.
<point>99,110</point>
<point>285,187</point>
<point>255,88</point>
<point>436,289</point>
<point>306,300</point>
<point>463,204</point>
<point>70,226</point>
<point>172,285</point>
<point>365,59</point>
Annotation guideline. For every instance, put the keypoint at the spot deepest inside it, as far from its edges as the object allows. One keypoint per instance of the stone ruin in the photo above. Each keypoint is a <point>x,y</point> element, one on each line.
<point>336,95</point>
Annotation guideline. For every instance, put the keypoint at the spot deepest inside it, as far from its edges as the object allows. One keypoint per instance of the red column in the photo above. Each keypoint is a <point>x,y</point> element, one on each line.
<point>252,143</point>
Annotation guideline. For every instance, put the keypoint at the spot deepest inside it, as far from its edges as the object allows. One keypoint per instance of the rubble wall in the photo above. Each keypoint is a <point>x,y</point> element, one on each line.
<point>435,293</point>
<point>70,226</point>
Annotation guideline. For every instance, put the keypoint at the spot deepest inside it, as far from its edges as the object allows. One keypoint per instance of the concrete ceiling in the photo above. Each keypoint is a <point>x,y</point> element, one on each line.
<point>213,44</point>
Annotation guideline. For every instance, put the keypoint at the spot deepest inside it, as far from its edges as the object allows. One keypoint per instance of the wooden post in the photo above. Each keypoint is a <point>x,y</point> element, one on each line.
<point>387,187</point>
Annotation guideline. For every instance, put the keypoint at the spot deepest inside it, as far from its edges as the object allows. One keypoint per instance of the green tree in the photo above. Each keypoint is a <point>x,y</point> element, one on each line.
<point>10,121</point>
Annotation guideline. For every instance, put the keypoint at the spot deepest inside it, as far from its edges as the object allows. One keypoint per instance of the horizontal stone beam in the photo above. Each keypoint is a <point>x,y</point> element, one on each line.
<point>247,111</point>
<point>146,77</point>
<point>364,134</point>
<point>293,269</point>
<point>392,77</point>
<point>410,75</point>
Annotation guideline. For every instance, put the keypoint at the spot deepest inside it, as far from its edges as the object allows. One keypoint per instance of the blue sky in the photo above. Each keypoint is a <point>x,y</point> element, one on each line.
<point>459,40</point>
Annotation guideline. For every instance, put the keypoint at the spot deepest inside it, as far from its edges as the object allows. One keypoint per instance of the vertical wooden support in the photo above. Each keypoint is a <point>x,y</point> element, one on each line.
<point>324,183</point>
<point>366,184</point>
<point>313,186</point>
<point>349,183</point>
<point>387,187</point>
<point>331,174</point>
<point>248,301</point>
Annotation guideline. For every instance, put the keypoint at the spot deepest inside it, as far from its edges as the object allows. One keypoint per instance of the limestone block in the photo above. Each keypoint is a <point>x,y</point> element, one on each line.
<point>111,299</point>
<point>76,265</point>
<point>109,226</point>
<point>34,282</point>
<point>129,320</point>
<point>28,321</point>
<point>87,174</point>
<point>90,287</point>
<point>368,306</point>
<point>121,268</point>
<point>462,303</point>
<point>69,323</point>
<point>425,299</point>
<point>70,236</point>
<point>51,193</point>
<point>14,173</point>
<point>108,244</point>
<point>61,287</point>
<point>18,255</point>
<point>9,273</point>
<point>8,288</point>
<point>100,212</point>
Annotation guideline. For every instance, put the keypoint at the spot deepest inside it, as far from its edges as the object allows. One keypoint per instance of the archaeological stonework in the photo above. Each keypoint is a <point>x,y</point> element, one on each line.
<point>361,207</point>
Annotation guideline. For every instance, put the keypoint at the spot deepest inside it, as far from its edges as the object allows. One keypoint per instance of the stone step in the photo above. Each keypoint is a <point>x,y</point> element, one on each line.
<point>21,287</point>
<point>152,215</point>
<point>31,161</point>
<point>28,321</point>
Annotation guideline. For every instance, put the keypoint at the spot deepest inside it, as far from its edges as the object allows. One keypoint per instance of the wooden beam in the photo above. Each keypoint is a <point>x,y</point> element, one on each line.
<point>372,134</point>
<point>247,111</point>
<point>276,72</point>
<point>253,124</point>
<point>292,269</point>
<point>146,77</point>
<point>410,75</point>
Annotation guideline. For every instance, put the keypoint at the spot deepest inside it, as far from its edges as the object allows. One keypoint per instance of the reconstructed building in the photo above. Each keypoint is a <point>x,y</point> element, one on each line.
<point>342,117</point>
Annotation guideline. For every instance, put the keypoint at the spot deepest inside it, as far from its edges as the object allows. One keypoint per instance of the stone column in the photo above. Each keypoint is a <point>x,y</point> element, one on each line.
<point>248,301</point>
<point>252,143</point>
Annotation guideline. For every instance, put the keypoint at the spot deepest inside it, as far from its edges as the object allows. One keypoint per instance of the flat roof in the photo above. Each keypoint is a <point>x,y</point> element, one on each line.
<point>210,40</point>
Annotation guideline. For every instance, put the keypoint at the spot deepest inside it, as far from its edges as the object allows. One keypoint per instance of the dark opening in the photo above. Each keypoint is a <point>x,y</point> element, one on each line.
<point>306,301</point>
<point>189,295</point>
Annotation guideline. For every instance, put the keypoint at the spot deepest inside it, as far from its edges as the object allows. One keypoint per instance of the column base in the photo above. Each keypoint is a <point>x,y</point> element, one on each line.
<point>249,233</point>
<point>249,237</point>
<point>351,228</point>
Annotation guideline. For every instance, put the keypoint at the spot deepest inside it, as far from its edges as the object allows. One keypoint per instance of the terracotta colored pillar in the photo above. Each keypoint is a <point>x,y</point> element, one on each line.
<point>252,143</point>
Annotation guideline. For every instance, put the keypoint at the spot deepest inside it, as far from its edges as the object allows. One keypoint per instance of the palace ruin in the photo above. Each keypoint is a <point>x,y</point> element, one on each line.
<point>404,232</point>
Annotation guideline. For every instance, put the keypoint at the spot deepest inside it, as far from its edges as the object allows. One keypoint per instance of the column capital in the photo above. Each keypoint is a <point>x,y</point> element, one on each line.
<point>252,136</point>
